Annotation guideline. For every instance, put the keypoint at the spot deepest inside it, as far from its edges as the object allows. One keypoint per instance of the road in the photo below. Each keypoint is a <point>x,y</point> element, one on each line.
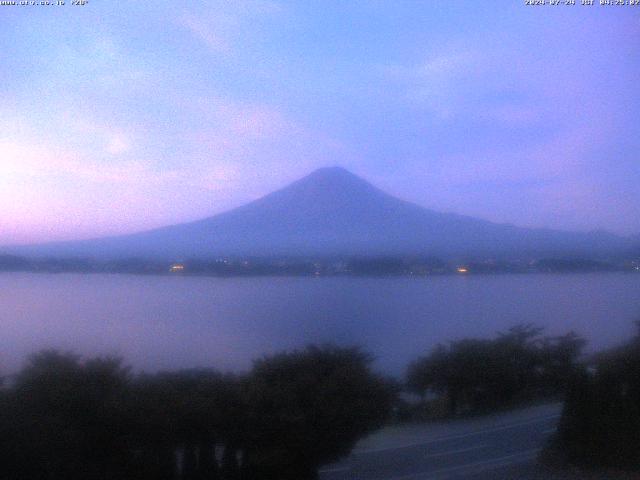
<point>480,448</point>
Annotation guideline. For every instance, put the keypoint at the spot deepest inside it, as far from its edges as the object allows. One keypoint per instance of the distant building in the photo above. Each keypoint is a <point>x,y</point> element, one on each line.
<point>176,268</point>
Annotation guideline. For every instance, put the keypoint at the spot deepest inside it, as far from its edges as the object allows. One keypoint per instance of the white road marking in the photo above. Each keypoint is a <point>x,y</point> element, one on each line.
<point>454,452</point>
<point>490,463</point>
<point>457,436</point>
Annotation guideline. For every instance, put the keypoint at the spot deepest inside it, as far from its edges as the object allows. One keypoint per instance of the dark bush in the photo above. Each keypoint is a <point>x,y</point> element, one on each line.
<point>310,407</point>
<point>600,424</point>
<point>477,375</point>
<point>66,419</point>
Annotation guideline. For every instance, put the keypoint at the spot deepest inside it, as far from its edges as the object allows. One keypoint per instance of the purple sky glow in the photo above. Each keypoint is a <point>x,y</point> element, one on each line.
<point>117,117</point>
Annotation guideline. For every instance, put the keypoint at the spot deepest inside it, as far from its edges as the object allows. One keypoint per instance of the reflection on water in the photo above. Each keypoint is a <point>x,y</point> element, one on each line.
<point>176,322</point>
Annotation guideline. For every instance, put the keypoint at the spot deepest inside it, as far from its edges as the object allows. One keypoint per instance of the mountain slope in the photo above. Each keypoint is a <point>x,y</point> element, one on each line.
<point>332,211</point>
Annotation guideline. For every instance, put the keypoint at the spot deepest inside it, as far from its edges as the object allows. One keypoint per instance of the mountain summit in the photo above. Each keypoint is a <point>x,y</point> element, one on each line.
<point>334,212</point>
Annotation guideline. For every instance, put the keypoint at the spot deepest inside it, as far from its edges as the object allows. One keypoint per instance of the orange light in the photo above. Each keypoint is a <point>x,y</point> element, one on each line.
<point>462,270</point>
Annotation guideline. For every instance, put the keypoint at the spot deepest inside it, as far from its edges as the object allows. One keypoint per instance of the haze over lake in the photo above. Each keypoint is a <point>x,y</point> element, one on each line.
<point>180,322</point>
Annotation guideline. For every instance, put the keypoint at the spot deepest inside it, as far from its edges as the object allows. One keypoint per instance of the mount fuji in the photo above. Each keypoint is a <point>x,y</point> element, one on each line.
<point>334,212</point>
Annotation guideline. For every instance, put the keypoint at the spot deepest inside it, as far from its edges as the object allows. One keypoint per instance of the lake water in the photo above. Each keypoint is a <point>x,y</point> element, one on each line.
<point>176,322</point>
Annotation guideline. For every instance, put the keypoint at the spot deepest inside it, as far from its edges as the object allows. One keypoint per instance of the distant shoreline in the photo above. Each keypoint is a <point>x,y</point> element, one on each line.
<point>363,266</point>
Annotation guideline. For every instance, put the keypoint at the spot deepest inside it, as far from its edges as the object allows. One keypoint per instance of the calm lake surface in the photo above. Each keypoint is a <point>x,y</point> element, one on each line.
<point>177,322</point>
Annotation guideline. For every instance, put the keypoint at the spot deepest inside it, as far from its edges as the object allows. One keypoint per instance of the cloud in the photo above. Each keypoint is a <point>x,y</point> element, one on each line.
<point>229,153</point>
<point>222,27</point>
<point>440,82</point>
<point>449,65</point>
<point>20,162</point>
<point>237,143</point>
<point>212,34</point>
<point>18,159</point>
<point>118,144</point>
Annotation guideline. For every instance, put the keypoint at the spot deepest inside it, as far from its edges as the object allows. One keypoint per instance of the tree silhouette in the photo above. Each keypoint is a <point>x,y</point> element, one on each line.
<point>190,411</point>
<point>481,374</point>
<point>600,424</point>
<point>308,408</point>
<point>65,418</point>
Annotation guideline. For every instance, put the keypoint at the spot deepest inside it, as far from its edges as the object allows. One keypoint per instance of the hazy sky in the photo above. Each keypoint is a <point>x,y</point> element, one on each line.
<point>124,115</point>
